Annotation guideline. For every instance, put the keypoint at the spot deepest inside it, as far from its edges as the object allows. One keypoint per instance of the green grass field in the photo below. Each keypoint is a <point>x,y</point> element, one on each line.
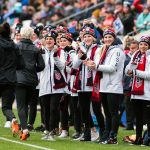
<point>59,144</point>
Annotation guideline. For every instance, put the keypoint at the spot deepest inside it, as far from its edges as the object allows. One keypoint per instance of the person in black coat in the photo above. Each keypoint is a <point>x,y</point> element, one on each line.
<point>27,79</point>
<point>10,60</point>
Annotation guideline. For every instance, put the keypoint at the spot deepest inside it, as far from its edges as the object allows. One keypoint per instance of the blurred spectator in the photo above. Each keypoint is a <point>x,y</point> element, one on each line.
<point>109,18</point>
<point>143,20</point>
<point>118,8</point>
<point>27,13</point>
<point>127,18</point>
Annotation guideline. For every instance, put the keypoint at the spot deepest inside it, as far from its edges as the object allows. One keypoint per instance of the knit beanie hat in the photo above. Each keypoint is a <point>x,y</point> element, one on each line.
<point>61,29</point>
<point>89,30</point>
<point>51,34</point>
<point>38,29</point>
<point>67,36</point>
<point>109,31</point>
<point>145,39</point>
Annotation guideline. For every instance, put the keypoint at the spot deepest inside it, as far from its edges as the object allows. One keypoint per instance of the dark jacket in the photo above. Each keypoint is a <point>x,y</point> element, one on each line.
<point>128,22</point>
<point>33,63</point>
<point>10,60</point>
<point>127,79</point>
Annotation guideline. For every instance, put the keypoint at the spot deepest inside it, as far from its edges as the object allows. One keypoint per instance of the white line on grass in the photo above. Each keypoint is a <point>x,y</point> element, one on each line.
<point>26,144</point>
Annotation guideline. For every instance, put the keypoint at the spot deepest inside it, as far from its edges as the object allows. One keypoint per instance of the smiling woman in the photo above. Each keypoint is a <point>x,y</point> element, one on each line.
<point>110,72</point>
<point>139,69</point>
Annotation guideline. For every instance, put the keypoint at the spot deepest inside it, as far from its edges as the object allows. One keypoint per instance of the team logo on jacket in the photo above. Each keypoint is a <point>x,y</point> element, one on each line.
<point>138,82</point>
<point>57,75</point>
<point>89,74</point>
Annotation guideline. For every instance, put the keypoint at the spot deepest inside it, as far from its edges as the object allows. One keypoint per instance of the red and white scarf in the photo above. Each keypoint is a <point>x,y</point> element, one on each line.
<point>59,81</point>
<point>77,81</point>
<point>138,83</point>
<point>98,76</point>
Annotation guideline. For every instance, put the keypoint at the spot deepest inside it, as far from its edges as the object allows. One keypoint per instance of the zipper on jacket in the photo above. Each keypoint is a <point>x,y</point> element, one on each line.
<point>50,71</point>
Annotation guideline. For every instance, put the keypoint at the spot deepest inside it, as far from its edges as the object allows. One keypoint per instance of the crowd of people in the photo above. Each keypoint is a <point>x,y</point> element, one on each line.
<point>73,76</point>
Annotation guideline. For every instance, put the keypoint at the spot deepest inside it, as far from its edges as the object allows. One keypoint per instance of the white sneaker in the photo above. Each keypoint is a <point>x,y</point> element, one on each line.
<point>7,124</point>
<point>51,138</point>
<point>80,138</point>
<point>144,127</point>
<point>64,134</point>
<point>94,136</point>
<point>48,137</point>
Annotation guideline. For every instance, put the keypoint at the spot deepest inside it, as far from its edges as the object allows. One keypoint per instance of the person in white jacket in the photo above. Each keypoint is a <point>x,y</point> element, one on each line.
<point>83,83</point>
<point>139,69</point>
<point>110,74</point>
<point>65,44</point>
<point>52,84</point>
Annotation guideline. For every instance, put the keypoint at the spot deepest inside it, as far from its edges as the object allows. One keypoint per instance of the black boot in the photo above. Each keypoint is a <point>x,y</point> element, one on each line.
<point>105,136</point>
<point>138,141</point>
<point>87,135</point>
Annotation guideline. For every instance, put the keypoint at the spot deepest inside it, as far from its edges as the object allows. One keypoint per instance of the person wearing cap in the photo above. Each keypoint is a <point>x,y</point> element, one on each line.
<point>60,30</point>
<point>36,36</point>
<point>65,44</point>
<point>27,78</point>
<point>83,83</point>
<point>71,74</point>
<point>139,70</point>
<point>10,61</point>
<point>52,84</point>
<point>109,76</point>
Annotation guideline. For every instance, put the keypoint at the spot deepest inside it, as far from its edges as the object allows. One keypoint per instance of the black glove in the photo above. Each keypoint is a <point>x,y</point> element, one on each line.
<point>68,48</point>
<point>83,57</point>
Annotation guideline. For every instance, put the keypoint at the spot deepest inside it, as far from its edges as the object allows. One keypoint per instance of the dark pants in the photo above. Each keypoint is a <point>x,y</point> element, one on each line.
<point>42,111</point>
<point>129,110</point>
<point>110,104</point>
<point>98,113</point>
<point>77,113</point>
<point>7,94</point>
<point>85,101</point>
<point>141,108</point>
<point>23,96</point>
<point>51,110</point>
<point>64,114</point>
<point>33,107</point>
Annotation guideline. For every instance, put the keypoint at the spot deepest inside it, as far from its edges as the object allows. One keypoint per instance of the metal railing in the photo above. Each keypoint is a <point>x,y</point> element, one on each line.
<point>99,5</point>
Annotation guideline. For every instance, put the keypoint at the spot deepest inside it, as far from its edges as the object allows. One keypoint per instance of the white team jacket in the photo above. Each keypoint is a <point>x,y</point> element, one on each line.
<point>77,62</point>
<point>47,75</point>
<point>112,69</point>
<point>142,74</point>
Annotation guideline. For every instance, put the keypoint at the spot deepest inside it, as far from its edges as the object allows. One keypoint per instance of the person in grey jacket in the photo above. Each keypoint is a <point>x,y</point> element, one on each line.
<point>139,70</point>
<point>27,79</point>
